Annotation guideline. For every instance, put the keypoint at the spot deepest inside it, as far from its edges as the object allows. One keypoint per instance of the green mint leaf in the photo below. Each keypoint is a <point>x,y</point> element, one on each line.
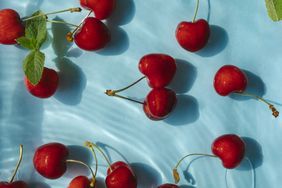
<point>33,66</point>
<point>36,29</point>
<point>26,43</point>
<point>274,9</point>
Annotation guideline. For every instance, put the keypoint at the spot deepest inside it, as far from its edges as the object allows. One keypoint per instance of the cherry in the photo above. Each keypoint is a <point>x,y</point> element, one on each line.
<point>93,35</point>
<point>46,87</point>
<point>231,79</point>
<point>50,160</point>
<point>11,26</point>
<point>228,79</point>
<point>194,35</point>
<point>101,8</point>
<point>159,103</point>
<point>168,185</point>
<point>119,174</point>
<point>230,148</point>
<point>158,68</point>
<point>81,182</point>
<point>12,183</point>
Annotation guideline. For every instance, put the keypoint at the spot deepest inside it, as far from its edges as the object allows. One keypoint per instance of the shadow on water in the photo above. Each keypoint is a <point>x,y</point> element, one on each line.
<point>185,112</point>
<point>100,183</point>
<point>72,80</point>
<point>146,175</point>
<point>255,86</point>
<point>217,42</point>
<point>38,185</point>
<point>79,153</point>
<point>253,152</point>
<point>184,77</point>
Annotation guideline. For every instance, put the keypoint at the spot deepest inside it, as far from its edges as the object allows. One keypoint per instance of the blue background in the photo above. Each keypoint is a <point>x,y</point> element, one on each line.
<point>241,34</point>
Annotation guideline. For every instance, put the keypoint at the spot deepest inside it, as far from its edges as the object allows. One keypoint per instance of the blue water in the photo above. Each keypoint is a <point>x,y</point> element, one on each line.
<point>241,34</point>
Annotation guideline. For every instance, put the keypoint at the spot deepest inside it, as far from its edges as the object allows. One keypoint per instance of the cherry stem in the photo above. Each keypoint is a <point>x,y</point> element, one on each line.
<point>176,174</point>
<point>92,184</point>
<point>61,22</point>
<point>77,9</point>
<point>91,146</point>
<point>196,11</point>
<point>69,35</point>
<point>113,93</point>
<point>18,164</point>
<point>275,113</point>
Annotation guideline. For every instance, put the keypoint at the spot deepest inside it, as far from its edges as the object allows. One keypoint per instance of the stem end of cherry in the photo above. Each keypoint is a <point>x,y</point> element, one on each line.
<point>69,37</point>
<point>110,92</point>
<point>275,113</point>
<point>176,175</point>
<point>77,9</point>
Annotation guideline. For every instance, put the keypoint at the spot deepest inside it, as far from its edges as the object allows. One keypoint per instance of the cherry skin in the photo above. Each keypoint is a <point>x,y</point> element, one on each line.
<point>50,160</point>
<point>230,148</point>
<point>15,184</point>
<point>120,175</point>
<point>101,8</point>
<point>80,182</point>
<point>167,185</point>
<point>46,87</point>
<point>158,68</point>
<point>93,35</point>
<point>159,103</point>
<point>228,79</point>
<point>11,26</point>
<point>193,36</point>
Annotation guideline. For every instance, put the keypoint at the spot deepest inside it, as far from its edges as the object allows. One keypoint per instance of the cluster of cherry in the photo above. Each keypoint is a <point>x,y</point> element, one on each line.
<point>50,161</point>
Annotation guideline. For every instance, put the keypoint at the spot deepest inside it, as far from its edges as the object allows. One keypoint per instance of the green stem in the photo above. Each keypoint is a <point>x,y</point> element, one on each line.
<point>113,94</point>
<point>18,164</point>
<point>91,146</point>
<point>77,9</point>
<point>125,88</point>
<point>61,22</point>
<point>193,154</point>
<point>275,113</point>
<point>196,11</point>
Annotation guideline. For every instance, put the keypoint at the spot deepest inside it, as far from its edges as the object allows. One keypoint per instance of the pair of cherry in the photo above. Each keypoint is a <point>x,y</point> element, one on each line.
<point>159,69</point>
<point>50,160</point>
<point>92,34</point>
<point>229,148</point>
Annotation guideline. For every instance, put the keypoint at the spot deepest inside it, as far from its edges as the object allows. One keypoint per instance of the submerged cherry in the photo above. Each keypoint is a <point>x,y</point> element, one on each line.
<point>101,8</point>
<point>93,35</point>
<point>194,35</point>
<point>46,87</point>
<point>11,26</point>
<point>159,103</point>
<point>158,68</point>
<point>12,183</point>
<point>168,185</point>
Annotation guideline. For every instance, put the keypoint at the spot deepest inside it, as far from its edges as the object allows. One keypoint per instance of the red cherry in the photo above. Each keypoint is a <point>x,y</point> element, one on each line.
<point>80,182</point>
<point>46,87</point>
<point>159,103</point>
<point>158,68</point>
<point>228,79</point>
<point>167,185</point>
<point>15,184</point>
<point>93,35</point>
<point>230,149</point>
<point>11,26</point>
<point>193,36</point>
<point>101,8</point>
<point>120,175</point>
<point>50,160</point>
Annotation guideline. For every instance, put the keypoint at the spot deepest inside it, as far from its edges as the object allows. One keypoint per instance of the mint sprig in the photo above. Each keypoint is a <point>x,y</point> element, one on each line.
<point>274,9</point>
<point>35,36</point>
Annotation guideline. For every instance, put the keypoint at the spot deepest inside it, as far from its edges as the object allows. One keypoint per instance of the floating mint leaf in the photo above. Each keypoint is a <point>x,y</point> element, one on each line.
<point>36,29</point>
<point>274,9</point>
<point>26,43</point>
<point>33,66</point>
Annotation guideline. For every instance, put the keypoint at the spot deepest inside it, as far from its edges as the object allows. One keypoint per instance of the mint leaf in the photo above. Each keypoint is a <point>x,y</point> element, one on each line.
<point>36,29</point>
<point>274,9</point>
<point>33,66</point>
<point>26,43</point>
